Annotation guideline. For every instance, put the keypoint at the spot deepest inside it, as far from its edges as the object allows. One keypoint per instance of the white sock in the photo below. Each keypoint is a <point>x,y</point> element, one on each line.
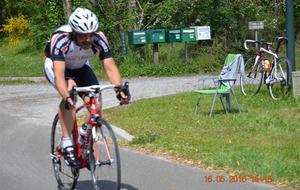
<point>67,141</point>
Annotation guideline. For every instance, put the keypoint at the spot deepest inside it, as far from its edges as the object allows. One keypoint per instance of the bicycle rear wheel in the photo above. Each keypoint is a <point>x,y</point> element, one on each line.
<point>104,158</point>
<point>253,79</point>
<point>66,176</point>
<point>280,87</point>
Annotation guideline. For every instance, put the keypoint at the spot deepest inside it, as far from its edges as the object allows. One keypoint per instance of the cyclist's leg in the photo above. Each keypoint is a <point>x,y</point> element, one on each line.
<point>66,117</point>
<point>48,71</point>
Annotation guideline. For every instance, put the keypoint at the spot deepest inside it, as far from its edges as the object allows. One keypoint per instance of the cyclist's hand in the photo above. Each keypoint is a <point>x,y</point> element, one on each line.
<point>69,104</point>
<point>123,94</point>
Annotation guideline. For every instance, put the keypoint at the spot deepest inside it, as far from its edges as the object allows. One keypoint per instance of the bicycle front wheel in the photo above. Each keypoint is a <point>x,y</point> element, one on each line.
<point>279,82</point>
<point>104,158</point>
<point>253,79</point>
<point>66,176</point>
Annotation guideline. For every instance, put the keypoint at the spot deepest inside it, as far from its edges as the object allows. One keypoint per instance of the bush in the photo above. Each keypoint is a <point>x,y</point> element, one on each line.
<point>16,28</point>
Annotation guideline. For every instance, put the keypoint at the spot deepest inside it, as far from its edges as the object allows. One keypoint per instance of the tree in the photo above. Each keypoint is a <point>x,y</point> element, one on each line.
<point>67,4</point>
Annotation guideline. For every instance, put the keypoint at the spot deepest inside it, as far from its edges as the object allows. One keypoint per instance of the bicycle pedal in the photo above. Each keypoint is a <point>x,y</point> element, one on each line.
<point>54,158</point>
<point>105,162</point>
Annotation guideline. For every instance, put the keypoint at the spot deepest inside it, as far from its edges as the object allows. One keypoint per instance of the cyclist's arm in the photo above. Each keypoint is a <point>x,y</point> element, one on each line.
<point>112,71</point>
<point>60,82</point>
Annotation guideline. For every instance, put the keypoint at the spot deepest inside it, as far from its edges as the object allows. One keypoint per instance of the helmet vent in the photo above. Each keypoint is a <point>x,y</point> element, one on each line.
<point>86,26</point>
<point>81,28</point>
<point>92,24</point>
<point>86,16</point>
<point>73,26</point>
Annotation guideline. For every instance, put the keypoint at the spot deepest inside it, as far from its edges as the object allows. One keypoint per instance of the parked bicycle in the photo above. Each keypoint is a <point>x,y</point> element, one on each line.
<point>267,68</point>
<point>99,151</point>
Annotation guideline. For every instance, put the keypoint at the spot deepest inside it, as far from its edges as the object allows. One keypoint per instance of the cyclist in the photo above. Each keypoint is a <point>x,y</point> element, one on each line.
<point>67,64</point>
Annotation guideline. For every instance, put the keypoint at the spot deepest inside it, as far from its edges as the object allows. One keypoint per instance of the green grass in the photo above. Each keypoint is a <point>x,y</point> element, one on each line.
<point>263,140</point>
<point>20,61</point>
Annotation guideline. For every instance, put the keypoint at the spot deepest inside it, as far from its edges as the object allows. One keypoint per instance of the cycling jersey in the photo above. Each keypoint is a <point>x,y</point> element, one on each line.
<point>63,48</point>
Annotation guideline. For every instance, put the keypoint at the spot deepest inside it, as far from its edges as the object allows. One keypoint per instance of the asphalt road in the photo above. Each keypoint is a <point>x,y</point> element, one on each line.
<point>26,114</point>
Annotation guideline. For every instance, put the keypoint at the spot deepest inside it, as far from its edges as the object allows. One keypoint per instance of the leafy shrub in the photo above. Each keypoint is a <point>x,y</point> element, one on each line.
<point>16,28</point>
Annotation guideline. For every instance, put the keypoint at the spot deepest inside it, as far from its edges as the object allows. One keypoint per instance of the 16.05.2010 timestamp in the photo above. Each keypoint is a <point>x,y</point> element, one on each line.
<point>236,179</point>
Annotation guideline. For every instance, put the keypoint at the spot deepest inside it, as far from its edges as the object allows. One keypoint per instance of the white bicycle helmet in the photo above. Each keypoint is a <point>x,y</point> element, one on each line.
<point>83,21</point>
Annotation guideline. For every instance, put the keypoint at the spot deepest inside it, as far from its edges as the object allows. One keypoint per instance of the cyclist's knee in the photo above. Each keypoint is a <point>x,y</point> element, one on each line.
<point>86,99</point>
<point>65,108</point>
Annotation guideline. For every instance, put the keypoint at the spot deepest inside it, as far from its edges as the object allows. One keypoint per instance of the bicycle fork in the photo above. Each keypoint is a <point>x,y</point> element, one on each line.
<point>101,139</point>
<point>272,78</point>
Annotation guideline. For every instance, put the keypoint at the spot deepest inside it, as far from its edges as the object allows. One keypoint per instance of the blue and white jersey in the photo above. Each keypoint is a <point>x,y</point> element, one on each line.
<point>62,47</point>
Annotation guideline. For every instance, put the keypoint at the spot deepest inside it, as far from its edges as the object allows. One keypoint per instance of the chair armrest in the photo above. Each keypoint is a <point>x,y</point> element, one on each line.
<point>214,79</point>
<point>227,80</point>
<point>208,78</point>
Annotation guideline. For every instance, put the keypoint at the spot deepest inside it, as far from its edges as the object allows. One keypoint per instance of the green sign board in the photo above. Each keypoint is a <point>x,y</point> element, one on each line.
<point>188,34</point>
<point>123,43</point>
<point>173,35</point>
<point>137,37</point>
<point>156,36</point>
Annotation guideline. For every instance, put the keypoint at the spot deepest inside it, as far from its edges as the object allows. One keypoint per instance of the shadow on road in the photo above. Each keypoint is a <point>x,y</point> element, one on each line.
<point>87,185</point>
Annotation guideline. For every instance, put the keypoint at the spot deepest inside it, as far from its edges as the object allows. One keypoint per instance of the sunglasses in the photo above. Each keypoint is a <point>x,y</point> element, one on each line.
<point>84,35</point>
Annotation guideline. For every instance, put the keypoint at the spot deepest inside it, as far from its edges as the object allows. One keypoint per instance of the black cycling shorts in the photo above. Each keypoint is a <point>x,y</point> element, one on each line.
<point>83,76</point>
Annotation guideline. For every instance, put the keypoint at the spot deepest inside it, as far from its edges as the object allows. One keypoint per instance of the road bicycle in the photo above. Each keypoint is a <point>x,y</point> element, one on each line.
<point>251,83</point>
<point>259,70</point>
<point>99,152</point>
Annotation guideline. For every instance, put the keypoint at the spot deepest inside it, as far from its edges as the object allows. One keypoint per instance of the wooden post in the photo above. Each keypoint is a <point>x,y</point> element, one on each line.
<point>186,51</point>
<point>155,53</point>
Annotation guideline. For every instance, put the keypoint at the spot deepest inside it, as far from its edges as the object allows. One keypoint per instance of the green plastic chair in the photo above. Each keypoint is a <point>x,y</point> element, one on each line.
<point>223,85</point>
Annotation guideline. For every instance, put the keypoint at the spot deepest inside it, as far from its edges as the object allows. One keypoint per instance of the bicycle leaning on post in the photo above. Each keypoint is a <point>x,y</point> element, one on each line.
<point>259,70</point>
<point>98,152</point>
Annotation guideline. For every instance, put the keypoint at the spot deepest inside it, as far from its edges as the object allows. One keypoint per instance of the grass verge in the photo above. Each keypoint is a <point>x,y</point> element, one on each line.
<point>263,140</point>
<point>20,61</point>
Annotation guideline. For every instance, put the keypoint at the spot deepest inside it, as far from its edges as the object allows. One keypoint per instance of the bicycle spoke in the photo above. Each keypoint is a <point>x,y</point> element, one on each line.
<point>105,159</point>
<point>66,176</point>
<point>279,86</point>
<point>252,81</point>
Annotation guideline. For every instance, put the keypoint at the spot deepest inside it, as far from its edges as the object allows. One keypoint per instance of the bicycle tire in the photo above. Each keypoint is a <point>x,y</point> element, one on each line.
<point>105,174</point>
<point>253,79</point>
<point>65,176</point>
<point>280,89</point>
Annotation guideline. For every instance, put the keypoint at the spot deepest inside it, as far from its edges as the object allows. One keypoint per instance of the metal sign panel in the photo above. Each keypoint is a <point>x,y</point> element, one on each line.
<point>256,25</point>
<point>202,32</point>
